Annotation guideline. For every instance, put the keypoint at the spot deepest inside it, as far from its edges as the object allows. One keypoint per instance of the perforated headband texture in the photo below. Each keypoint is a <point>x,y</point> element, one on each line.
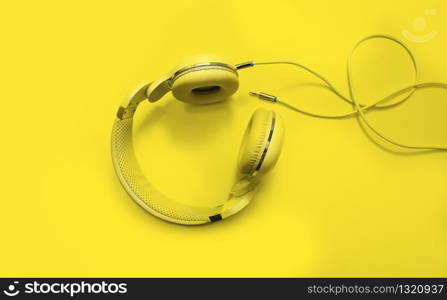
<point>138,187</point>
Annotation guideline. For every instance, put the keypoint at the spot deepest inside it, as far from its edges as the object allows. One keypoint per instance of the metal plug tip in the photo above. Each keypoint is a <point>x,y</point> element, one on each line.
<point>264,96</point>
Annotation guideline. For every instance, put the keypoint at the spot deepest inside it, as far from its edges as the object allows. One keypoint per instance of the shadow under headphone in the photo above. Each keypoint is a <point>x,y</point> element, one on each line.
<point>204,80</point>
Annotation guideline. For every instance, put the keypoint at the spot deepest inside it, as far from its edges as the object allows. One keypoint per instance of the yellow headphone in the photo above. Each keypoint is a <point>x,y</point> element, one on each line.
<point>202,80</point>
<point>205,80</point>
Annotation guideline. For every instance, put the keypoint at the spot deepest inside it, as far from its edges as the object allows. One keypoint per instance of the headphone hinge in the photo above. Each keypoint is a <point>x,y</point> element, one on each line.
<point>126,112</point>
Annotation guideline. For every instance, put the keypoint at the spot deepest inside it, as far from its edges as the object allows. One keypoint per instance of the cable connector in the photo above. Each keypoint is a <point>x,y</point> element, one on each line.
<point>244,65</point>
<point>264,96</point>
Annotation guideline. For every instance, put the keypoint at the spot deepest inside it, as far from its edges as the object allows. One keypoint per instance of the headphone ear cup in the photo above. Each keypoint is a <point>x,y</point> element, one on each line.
<point>257,153</point>
<point>275,146</point>
<point>207,85</point>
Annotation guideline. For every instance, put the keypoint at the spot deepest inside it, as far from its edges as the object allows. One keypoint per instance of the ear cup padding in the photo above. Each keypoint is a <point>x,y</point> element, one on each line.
<point>275,146</point>
<point>254,140</point>
<point>206,85</point>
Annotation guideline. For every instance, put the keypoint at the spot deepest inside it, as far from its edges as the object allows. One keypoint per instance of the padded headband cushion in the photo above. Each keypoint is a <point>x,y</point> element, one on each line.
<point>146,195</point>
<point>138,187</point>
<point>254,141</point>
<point>205,85</point>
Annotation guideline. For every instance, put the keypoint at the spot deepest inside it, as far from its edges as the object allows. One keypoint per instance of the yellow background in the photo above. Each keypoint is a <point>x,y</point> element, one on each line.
<point>336,205</point>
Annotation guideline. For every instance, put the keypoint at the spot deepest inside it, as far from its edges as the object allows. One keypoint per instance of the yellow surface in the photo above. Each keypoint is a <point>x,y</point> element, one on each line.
<point>336,205</point>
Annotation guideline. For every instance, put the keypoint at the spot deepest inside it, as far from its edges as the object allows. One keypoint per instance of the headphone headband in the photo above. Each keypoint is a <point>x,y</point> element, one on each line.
<point>138,187</point>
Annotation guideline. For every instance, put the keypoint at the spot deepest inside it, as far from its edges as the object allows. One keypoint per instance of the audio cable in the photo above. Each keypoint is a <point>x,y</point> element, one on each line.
<point>359,109</point>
